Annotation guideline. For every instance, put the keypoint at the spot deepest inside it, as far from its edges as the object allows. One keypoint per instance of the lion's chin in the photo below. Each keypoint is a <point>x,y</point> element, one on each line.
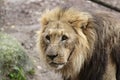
<point>56,66</point>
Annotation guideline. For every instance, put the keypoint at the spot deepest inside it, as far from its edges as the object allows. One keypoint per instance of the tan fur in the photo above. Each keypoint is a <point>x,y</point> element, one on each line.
<point>80,39</point>
<point>110,71</point>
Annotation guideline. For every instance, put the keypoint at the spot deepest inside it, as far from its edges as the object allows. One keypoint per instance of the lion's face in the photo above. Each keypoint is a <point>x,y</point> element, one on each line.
<point>63,37</point>
<point>59,39</point>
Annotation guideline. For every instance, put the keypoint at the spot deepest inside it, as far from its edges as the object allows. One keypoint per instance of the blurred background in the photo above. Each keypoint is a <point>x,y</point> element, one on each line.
<point>20,19</point>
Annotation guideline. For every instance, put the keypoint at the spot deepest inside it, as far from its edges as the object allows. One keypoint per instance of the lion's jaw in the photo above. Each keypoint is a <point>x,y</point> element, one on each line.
<point>61,56</point>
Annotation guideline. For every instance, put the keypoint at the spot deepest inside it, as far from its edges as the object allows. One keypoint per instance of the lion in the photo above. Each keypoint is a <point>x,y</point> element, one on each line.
<point>80,45</point>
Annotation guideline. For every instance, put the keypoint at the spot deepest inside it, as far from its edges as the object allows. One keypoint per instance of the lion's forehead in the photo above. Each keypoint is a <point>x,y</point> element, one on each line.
<point>58,28</point>
<point>58,25</point>
<point>56,32</point>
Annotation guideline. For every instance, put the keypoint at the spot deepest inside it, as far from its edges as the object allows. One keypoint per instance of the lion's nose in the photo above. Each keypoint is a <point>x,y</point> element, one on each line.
<point>52,56</point>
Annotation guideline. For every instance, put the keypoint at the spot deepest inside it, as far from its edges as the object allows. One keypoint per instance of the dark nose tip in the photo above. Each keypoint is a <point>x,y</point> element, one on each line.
<point>52,56</point>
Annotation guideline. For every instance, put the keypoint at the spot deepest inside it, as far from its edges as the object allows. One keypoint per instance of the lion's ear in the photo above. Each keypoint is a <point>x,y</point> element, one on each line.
<point>82,20</point>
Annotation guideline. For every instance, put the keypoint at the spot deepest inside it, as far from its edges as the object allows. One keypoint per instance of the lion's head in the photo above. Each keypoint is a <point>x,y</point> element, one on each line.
<point>64,38</point>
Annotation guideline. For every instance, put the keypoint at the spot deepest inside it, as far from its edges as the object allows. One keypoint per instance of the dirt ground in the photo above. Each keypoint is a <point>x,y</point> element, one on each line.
<point>20,18</point>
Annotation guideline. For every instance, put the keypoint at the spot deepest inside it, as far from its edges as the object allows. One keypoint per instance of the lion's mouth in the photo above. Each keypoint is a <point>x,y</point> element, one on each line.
<point>57,65</point>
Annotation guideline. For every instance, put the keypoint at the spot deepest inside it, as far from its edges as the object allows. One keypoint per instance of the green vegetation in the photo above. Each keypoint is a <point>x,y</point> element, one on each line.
<point>17,74</point>
<point>14,62</point>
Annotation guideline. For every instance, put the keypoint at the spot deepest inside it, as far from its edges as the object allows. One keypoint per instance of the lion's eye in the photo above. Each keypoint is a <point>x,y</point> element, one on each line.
<point>64,37</point>
<point>47,37</point>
